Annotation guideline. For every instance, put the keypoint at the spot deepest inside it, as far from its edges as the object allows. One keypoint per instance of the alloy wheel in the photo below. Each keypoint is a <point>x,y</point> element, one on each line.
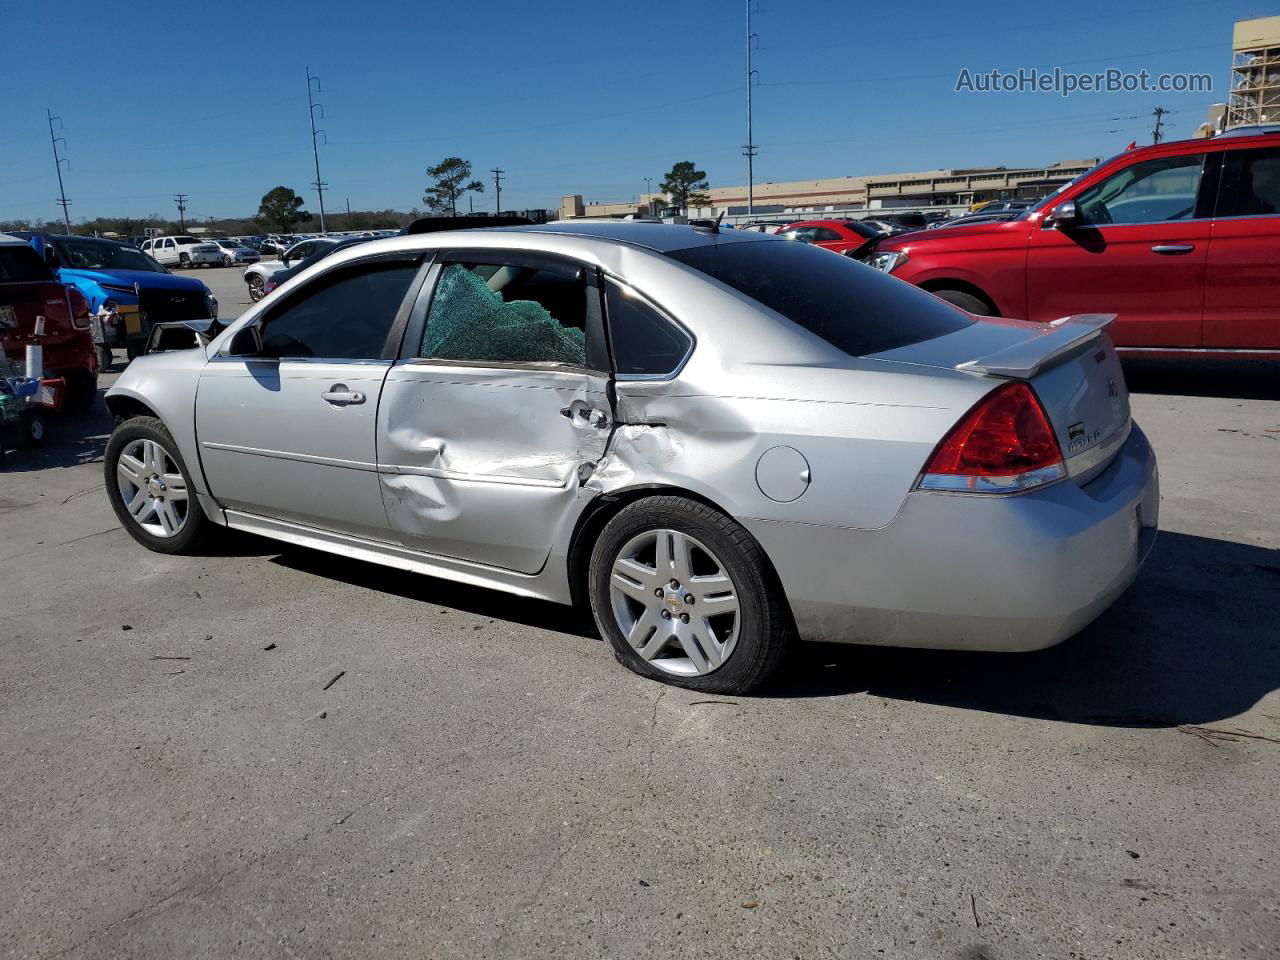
<point>675,602</point>
<point>152,488</point>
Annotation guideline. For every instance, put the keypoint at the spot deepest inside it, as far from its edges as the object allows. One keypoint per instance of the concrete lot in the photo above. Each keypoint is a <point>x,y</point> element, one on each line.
<point>485,780</point>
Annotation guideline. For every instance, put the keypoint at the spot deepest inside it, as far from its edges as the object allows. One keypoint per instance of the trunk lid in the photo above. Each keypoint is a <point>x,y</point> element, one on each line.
<point>1072,365</point>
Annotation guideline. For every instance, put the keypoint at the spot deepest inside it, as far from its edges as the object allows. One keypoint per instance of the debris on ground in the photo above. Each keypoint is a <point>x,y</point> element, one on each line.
<point>334,679</point>
<point>269,646</point>
<point>160,657</point>
<point>1210,734</point>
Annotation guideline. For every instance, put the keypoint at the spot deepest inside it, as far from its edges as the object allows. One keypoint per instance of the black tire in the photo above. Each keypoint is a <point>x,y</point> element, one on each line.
<point>965,301</point>
<point>34,427</point>
<point>184,261</point>
<point>765,629</point>
<point>82,392</point>
<point>256,287</point>
<point>226,259</point>
<point>197,528</point>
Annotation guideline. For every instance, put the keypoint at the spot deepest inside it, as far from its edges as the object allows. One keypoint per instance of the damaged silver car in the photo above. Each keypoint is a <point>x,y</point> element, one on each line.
<point>721,441</point>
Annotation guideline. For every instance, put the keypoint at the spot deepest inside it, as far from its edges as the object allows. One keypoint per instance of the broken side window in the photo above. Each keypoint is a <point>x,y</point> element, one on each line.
<point>506,313</point>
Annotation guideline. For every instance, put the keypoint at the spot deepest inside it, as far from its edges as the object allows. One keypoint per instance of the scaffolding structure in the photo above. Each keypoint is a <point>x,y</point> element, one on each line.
<point>1254,96</point>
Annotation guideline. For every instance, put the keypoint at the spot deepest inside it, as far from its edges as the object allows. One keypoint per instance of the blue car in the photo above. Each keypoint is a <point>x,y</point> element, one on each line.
<point>127,290</point>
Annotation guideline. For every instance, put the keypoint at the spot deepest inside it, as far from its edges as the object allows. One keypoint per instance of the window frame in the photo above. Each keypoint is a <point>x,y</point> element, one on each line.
<point>595,334</point>
<point>1206,198</point>
<point>663,314</point>
<point>391,345</point>
<point>1221,195</point>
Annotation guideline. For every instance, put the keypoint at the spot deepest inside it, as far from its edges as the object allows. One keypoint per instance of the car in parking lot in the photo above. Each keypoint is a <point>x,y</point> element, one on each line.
<point>36,309</point>
<point>259,276</point>
<point>719,440</point>
<point>234,252</point>
<point>183,251</point>
<point>851,237</point>
<point>1180,240</point>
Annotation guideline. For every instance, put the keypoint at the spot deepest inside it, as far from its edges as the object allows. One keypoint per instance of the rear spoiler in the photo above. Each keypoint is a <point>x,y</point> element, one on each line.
<point>1024,360</point>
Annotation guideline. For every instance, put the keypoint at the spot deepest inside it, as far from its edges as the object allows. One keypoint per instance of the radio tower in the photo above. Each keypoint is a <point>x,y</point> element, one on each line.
<point>58,161</point>
<point>749,148</point>
<point>315,150</point>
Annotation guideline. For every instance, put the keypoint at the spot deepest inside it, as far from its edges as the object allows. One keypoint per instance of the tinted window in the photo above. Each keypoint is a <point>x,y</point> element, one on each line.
<point>346,315</point>
<point>506,313</point>
<point>1251,183</point>
<point>186,240</point>
<point>20,263</point>
<point>824,235</point>
<point>853,307</point>
<point>644,342</point>
<point>1148,192</point>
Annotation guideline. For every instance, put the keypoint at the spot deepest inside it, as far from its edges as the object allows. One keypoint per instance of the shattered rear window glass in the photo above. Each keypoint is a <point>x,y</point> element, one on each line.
<point>508,314</point>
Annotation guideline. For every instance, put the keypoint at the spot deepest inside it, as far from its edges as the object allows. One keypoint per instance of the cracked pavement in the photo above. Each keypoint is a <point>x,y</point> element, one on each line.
<point>486,781</point>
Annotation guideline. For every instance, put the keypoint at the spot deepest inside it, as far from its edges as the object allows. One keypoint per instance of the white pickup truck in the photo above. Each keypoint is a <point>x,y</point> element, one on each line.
<point>183,251</point>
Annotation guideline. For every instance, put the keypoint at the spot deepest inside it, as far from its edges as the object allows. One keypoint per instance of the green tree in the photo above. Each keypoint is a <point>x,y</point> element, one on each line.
<point>281,210</point>
<point>451,175</point>
<point>686,186</point>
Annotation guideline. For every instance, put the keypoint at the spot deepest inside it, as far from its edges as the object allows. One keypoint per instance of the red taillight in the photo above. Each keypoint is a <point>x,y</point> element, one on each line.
<point>1003,445</point>
<point>79,308</point>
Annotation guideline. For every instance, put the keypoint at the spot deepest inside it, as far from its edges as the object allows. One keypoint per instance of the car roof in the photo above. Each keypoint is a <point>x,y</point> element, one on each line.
<point>9,240</point>
<point>659,237</point>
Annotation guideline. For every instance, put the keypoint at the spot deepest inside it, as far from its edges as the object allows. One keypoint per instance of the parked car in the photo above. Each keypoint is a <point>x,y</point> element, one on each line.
<point>971,218</point>
<point>234,252</point>
<point>183,251</point>
<point>321,250</point>
<point>1178,239</point>
<point>259,276</point>
<point>126,290</point>
<point>852,237</point>
<point>37,309</point>
<point>1003,206</point>
<point>762,227</point>
<point>719,440</point>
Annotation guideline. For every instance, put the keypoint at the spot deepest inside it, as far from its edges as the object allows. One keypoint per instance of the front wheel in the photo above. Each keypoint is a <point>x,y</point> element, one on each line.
<point>685,595</point>
<point>965,301</point>
<point>226,260</point>
<point>256,287</point>
<point>184,261</point>
<point>150,489</point>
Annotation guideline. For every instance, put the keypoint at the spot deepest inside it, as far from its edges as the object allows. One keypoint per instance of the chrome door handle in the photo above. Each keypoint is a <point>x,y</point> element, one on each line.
<point>1172,248</point>
<point>341,396</point>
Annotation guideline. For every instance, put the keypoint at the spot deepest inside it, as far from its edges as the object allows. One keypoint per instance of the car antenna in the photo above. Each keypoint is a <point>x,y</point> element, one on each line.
<point>712,228</point>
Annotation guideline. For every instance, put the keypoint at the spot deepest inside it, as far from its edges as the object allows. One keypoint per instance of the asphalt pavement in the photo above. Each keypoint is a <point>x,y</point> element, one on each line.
<point>267,752</point>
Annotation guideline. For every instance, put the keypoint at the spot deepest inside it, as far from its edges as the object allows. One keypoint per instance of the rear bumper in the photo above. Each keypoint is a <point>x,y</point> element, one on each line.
<point>974,572</point>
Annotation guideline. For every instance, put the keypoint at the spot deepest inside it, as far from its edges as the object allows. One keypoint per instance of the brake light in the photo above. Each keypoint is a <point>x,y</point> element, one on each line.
<point>1005,444</point>
<point>79,308</point>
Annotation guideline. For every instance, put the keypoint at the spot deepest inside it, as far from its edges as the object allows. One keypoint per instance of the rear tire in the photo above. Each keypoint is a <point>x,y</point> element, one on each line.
<point>256,287</point>
<point>158,509</point>
<point>681,548</point>
<point>965,301</point>
<point>184,261</point>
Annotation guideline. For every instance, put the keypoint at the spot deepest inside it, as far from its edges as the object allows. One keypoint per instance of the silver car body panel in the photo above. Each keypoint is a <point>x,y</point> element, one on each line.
<point>483,472</point>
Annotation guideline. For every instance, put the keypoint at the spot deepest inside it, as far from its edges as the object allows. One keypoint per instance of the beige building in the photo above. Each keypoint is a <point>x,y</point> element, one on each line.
<point>954,188</point>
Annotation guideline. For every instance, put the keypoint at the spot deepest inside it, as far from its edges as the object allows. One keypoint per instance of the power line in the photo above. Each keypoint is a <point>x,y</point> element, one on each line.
<point>315,149</point>
<point>57,165</point>
<point>181,200</point>
<point>497,190</point>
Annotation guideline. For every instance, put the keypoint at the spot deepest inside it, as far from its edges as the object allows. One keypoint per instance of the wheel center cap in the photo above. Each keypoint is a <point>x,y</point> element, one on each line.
<point>153,487</point>
<point>674,602</point>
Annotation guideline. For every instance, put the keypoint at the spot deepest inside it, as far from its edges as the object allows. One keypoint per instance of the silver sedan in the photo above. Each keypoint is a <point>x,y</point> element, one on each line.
<point>721,441</point>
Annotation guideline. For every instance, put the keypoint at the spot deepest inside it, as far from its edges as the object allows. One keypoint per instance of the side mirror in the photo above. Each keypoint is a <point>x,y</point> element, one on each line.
<point>1064,215</point>
<point>245,342</point>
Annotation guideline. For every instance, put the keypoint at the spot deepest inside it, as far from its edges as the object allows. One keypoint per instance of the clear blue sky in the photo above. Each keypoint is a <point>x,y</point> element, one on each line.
<point>568,96</point>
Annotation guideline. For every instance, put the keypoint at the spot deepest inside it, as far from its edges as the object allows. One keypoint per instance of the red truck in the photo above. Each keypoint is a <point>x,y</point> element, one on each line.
<point>1180,240</point>
<point>36,309</point>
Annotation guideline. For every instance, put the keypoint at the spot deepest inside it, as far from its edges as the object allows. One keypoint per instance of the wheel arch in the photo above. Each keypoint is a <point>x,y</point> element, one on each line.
<point>935,284</point>
<point>125,406</point>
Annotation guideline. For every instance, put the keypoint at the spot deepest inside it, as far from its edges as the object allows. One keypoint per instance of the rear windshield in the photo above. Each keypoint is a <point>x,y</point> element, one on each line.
<point>853,307</point>
<point>21,264</point>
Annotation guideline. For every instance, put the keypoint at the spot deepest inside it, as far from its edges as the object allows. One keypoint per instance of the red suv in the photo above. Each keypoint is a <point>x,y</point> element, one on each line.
<point>36,309</point>
<point>1180,240</point>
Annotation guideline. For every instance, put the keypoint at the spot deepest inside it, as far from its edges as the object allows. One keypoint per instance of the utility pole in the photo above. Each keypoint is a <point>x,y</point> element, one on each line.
<point>315,149</point>
<point>181,200</point>
<point>348,213</point>
<point>497,190</point>
<point>749,148</point>
<point>1158,113</point>
<point>57,165</point>
<point>648,192</point>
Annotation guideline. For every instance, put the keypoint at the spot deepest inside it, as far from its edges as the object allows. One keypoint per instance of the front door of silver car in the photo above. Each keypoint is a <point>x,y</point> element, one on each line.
<point>498,408</point>
<point>285,412</point>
